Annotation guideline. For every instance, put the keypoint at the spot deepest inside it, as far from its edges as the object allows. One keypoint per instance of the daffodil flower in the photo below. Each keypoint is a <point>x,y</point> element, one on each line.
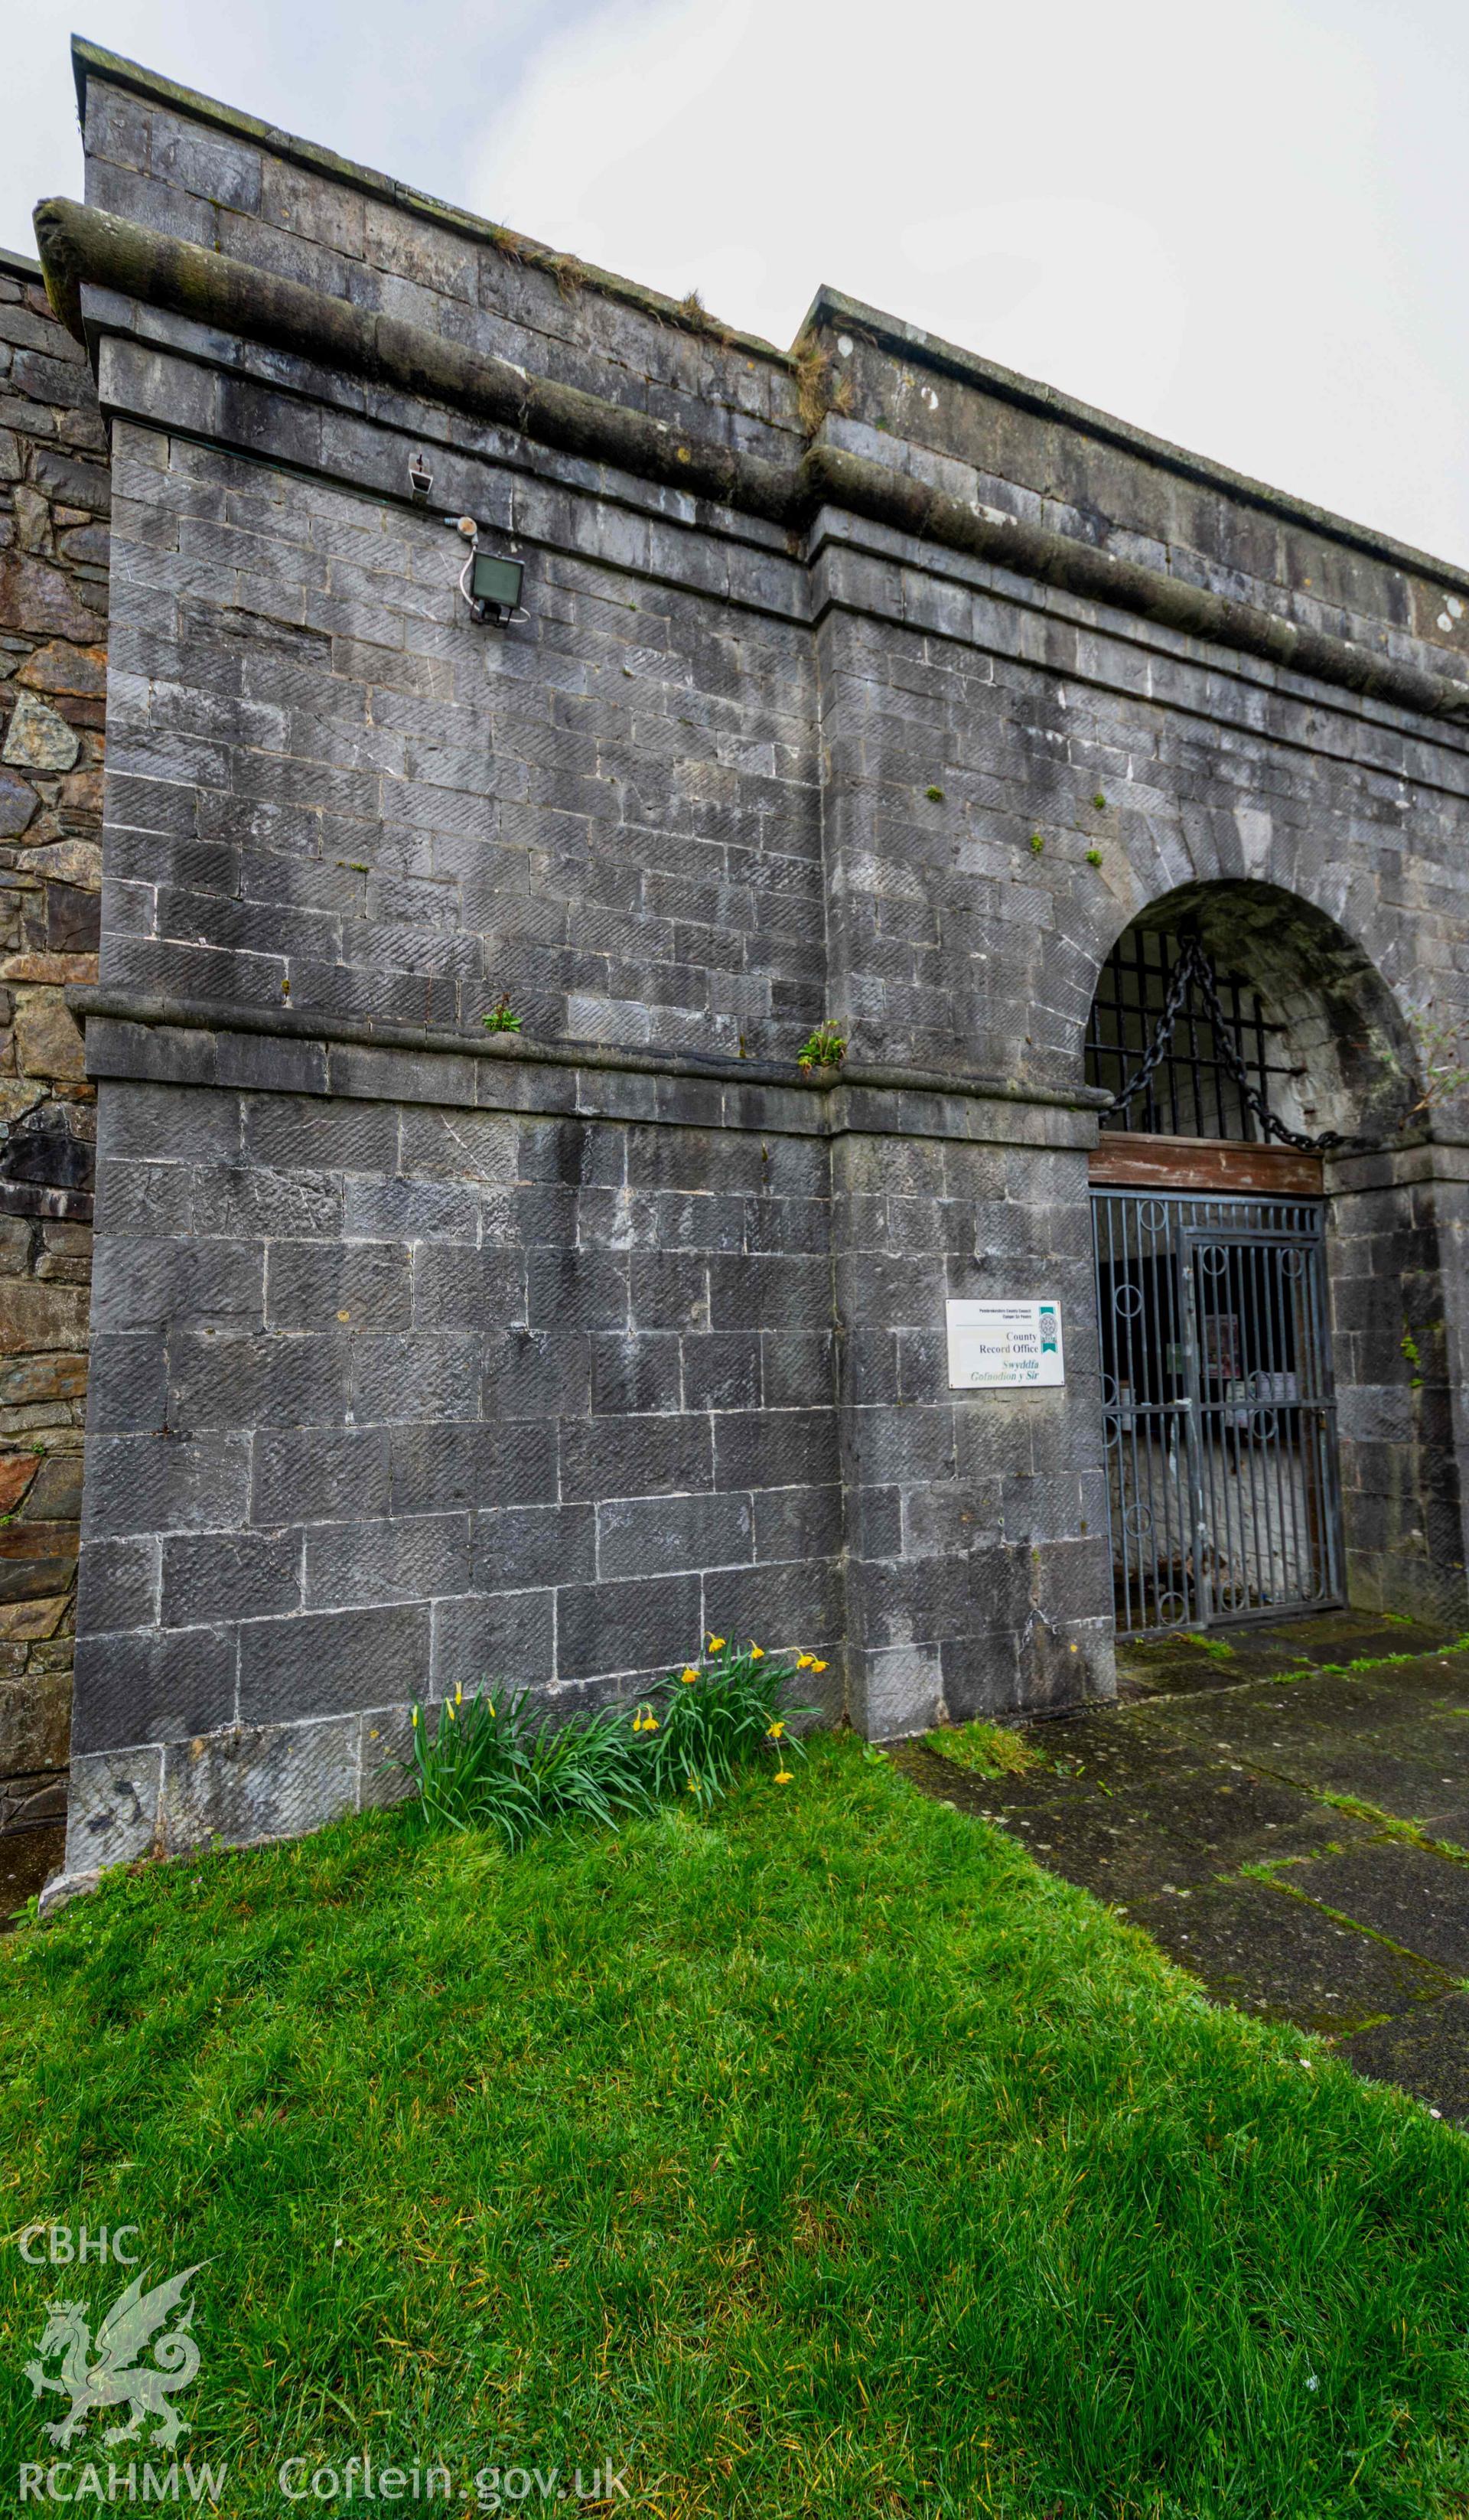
<point>688,1673</point>
<point>449,1710</point>
<point>775,1729</point>
<point>804,1662</point>
<point>817,1666</point>
<point>716,1644</point>
<point>693,1786</point>
<point>757,1653</point>
<point>783,1775</point>
<point>459,1693</point>
<point>416,1719</point>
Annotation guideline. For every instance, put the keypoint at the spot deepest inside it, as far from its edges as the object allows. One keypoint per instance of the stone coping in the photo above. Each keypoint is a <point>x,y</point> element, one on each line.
<point>830,307</point>
<point>832,310</point>
<point>117,70</point>
<point>285,1023</point>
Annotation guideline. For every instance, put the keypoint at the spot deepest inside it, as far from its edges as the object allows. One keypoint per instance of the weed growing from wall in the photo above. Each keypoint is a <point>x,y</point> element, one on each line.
<point>824,1048</point>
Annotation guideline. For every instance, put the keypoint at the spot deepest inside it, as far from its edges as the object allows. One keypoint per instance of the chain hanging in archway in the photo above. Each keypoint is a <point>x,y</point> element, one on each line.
<point>1193,968</point>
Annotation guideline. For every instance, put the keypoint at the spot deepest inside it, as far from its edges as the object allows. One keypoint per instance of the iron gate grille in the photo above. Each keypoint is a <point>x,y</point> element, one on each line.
<point>1220,1424</point>
<point>1194,1092</point>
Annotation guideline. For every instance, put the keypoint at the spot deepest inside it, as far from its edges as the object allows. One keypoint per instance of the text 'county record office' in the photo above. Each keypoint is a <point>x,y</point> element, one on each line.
<point>1110,806</point>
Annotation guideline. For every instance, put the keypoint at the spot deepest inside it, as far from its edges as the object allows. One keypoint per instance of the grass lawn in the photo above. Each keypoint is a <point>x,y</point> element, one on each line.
<point>820,2156</point>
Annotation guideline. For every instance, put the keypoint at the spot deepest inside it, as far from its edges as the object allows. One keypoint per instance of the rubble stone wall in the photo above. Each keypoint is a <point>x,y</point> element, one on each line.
<point>53,510</point>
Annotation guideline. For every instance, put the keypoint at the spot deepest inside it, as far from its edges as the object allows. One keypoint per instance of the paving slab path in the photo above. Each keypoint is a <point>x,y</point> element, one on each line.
<point>1286,1811</point>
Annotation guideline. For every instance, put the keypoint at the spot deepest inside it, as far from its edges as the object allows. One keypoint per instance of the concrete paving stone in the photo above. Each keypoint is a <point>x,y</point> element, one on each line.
<point>1112,1843</point>
<point>1115,1749</point>
<point>1169,1666</point>
<point>1443,1674</point>
<point>1335,1636</point>
<point>1254,1945</point>
<point>1416,1899</point>
<point>1426,2051</point>
<point>1405,1784</point>
<point>1434,1687</point>
<point>1448,1822</point>
<point>1332,1736</point>
<point>1386,1693</point>
<point>1187,1663</point>
<point>1447,1727</point>
<point>1103,1846</point>
<point>1151,1803</point>
<point>1238,1817</point>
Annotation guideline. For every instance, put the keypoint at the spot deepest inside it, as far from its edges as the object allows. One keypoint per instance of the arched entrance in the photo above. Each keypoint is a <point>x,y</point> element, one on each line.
<point>1246,1044</point>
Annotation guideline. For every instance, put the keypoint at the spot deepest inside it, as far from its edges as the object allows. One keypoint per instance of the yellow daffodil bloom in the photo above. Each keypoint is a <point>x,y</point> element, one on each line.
<point>459,1693</point>
<point>716,1643</point>
<point>817,1666</point>
<point>775,1729</point>
<point>416,1719</point>
<point>688,1672</point>
<point>757,1653</point>
<point>783,1775</point>
<point>804,1662</point>
<point>449,1710</point>
<point>693,1786</point>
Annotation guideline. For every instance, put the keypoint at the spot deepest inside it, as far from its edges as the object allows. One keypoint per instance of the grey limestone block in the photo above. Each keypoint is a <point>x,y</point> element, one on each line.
<point>895,1691</point>
<point>117,1584</point>
<point>252,1783</point>
<point>229,1575</point>
<point>152,1685</point>
<point>112,1809</point>
<point>502,1639</point>
<point>648,1536</point>
<point>329,1662</point>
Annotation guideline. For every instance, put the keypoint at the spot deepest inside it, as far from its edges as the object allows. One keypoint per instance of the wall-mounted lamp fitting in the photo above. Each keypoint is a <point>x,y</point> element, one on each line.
<point>494,586</point>
<point>419,479</point>
<point>490,585</point>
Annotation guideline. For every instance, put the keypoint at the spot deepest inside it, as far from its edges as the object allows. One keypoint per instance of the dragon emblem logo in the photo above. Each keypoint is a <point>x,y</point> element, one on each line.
<point>109,2373</point>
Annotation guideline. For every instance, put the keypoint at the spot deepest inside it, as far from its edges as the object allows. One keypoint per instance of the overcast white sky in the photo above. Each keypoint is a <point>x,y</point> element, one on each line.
<point>1245,228</point>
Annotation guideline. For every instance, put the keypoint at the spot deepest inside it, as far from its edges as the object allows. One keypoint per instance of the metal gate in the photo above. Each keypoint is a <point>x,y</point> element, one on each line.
<point>1221,1422</point>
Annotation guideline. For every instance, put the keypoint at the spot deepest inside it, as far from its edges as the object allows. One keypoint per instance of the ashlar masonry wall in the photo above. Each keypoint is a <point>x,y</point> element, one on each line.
<point>414,1368</point>
<point>424,1354</point>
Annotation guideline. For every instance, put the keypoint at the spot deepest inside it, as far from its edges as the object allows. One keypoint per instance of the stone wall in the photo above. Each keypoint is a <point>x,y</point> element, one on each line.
<point>54,504</point>
<point>392,1394</point>
<point>1024,450</point>
<point>330,789</point>
<point>424,1354</point>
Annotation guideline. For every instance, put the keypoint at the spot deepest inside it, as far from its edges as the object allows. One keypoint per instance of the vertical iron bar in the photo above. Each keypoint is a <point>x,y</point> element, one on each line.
<point>1186,1278</point>
<point>1261,1258</point>
<point>1289,1475</point>
<point>1143,993</point>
